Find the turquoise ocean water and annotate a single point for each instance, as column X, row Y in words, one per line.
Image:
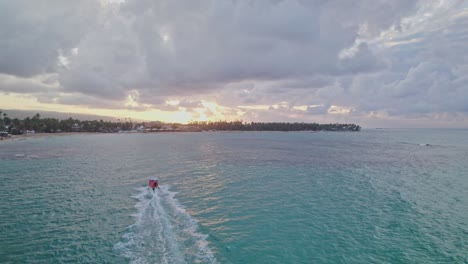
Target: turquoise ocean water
column 377, row 196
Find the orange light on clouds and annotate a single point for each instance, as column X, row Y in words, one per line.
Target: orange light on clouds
column 182, row 115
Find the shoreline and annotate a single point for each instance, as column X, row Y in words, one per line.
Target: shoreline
column 42, row 135
column 59, row 134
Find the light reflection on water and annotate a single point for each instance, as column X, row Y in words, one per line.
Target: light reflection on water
column 372, row 196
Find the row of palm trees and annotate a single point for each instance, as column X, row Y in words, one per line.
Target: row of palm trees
column 17, row 126
column 272, row 126
column 52, row 125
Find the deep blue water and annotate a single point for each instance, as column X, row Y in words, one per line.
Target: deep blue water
column 377, row 196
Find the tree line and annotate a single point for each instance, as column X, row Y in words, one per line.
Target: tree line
column 18, row 126
column 272, row 126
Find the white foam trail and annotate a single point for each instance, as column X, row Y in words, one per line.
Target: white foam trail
column 163, row 232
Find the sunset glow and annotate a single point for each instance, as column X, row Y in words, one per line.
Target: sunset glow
column 126, row 58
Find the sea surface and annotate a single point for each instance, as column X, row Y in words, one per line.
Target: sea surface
column 375, row 196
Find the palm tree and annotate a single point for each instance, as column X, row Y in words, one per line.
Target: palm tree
column 1, row 122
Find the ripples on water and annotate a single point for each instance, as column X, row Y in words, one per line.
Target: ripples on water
column 394, row 196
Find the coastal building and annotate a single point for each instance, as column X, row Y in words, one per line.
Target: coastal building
column 76, row 127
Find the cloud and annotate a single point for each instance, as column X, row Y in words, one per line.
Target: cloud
column 424, row 77
column 398, row 58
column 33, row 33
column 38, row 84
column 176, row 48
column 75, row 99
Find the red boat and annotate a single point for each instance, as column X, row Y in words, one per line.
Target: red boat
column 153, row 183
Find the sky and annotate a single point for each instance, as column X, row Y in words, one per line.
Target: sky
column 376, row 63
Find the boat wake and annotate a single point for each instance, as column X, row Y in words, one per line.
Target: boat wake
column 163, row 232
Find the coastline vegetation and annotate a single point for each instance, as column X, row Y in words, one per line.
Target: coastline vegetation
column 36, row 124
column 273, row 126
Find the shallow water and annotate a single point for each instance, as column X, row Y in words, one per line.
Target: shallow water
column 377, row 196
